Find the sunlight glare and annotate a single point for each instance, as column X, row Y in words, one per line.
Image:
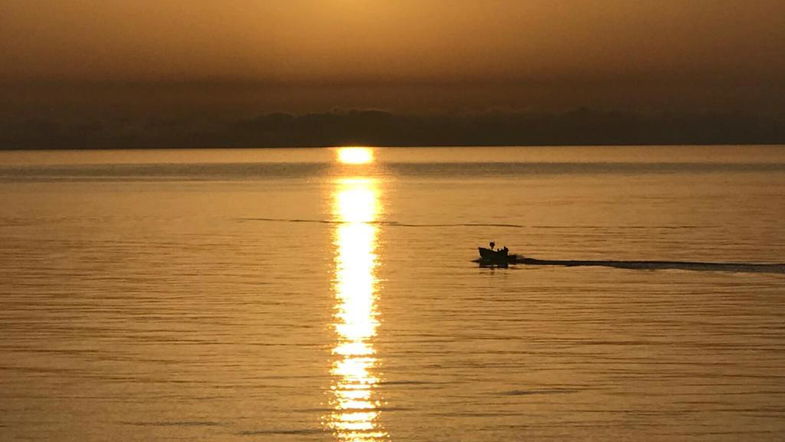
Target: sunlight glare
column 355, row 155
column 355, row 415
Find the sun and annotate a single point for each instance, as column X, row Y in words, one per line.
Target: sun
column 355, row 155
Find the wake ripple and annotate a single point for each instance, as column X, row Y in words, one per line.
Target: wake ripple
column 741, row 267
column 383, row 223
column 507, row 225
column 633, row 265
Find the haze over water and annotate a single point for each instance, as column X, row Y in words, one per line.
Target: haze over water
column 329, row 294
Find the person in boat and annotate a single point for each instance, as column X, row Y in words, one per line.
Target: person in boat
column 502, row 250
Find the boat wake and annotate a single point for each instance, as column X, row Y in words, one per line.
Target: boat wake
column 657, row 265
column 383, row 223
column 518, row 260
column 503, row 225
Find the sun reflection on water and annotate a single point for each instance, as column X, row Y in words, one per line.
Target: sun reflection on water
column 355, row 155
column 355, row 415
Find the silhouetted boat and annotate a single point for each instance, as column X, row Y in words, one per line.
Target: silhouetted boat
column 500, row 258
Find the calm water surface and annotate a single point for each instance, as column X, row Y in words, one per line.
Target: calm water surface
column 322, row 294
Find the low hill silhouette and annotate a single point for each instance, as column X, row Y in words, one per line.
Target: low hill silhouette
column 379, row 128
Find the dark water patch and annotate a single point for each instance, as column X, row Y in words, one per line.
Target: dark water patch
column 383, row 223
column 537, row 391
column 323, row 410
column 626, row 227
column 733, row 267
column 175, row 424
column 566, row 424
column 166, row 171
column 663, row 265
column 397, row 224
column 496, row 169
column 477, row 414
column 717, row 433
column 297, row 432
column 502, row 225
column 407, row 383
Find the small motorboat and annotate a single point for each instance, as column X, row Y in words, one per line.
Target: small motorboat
column 498, row 258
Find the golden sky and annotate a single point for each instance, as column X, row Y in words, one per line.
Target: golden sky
column 326, row 53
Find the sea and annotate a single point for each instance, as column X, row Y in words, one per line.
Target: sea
column 331, row 294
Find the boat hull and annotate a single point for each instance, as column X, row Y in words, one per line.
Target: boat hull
column 489, row 257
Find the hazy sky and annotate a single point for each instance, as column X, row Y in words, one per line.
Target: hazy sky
column 429, row 54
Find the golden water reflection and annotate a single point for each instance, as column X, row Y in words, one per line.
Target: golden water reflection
column 355, row 155
column 355, row 415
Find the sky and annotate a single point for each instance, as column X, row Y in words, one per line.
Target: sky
column 64, row 58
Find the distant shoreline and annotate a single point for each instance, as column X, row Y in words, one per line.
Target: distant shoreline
column 579, row 127
column 445, row 146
